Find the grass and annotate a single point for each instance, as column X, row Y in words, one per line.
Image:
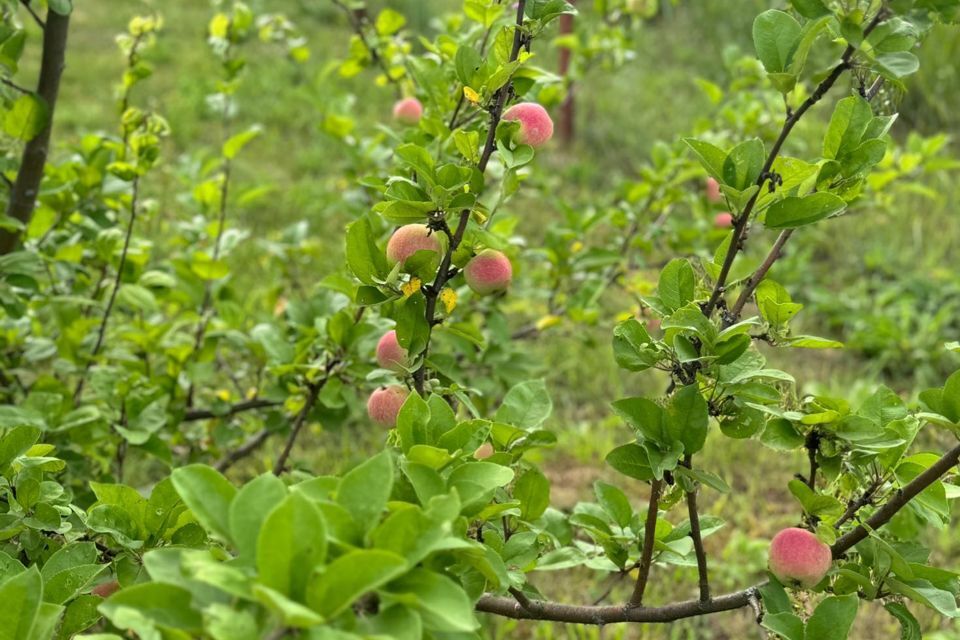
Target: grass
column 651, row 98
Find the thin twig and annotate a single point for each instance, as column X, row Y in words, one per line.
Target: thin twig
column 193, row 415
column 36, row 17
column 757, row 276
column 244, row 450
column 696, row 536
column 357, row 23
column 13, row 85
column 113, row 294
column 313, row 392
column 858, row 503
column 649, row 537
column 813, row 445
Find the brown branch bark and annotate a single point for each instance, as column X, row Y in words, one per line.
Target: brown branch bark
column 244, row 450
column 23, row 197
column 601, row 615
column 193, row 415
column 703, row 579
column 757, row 276
column 649, row 537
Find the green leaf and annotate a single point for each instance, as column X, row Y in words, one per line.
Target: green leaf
column 677, row 284
column 365, row 259
column 775, row 304
column 742, row 166
column 705, row 478
column 21, row 596
column 161, row 603
column 365, row 489
column 614, row 502
column 250, row 508
column 350, row 576
column 785, row 625
column 476, row 483
column 290, row 613
column 208, row 495
column 442, row 603
column 26, row 117
column 711, row 157
column 238, row 141
column 532, row 489
column 389, row 22
column 275, row 342
column 810, row 8
column 526, row 405
column 776, row 35
column 631, row 460
column 291, row 544
column 909, row 627
column 633, row 348
column 898, row 64
column 813, row 503
column 833, row 618
column 796, row 211
column 645, row 416
column 849, row 121
column 687, row 418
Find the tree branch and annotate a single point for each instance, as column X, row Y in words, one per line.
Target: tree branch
column 649, row 537
column 757, row 276
column 792, row 119
column 694, row 516
column 313, row 392
column 193, row 415
column 813, row 445
column 34, row 15
column 601, row 615
column 855, row 505
column 23, row 197
column 244, row 450
column 444, row 273
column 356, row 19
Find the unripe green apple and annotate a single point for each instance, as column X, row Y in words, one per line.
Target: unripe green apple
column 409, row 239
column 536, row 127
column 799, row 557
column 390, row 355
column 488, row 272
column 385, row 403
column 408, row 110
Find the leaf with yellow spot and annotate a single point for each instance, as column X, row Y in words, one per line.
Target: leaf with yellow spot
column 576, row 247
column 449, row 299
column 471, row 95
column 224, row 395
column 411, row 287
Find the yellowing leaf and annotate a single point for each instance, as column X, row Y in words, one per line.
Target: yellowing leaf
column 449, row 299
column 411, row 287
column 471, row 95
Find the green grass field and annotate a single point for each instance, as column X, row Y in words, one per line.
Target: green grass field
column 619, row 116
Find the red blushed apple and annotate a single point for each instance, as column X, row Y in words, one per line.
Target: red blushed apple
column 408, row 110
column 713, row 190
column 536, row 127
column 390, row 355
column 799, row 557
column 385, row 403
column 488, row 272
column 409, row 239
column 723, row 220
